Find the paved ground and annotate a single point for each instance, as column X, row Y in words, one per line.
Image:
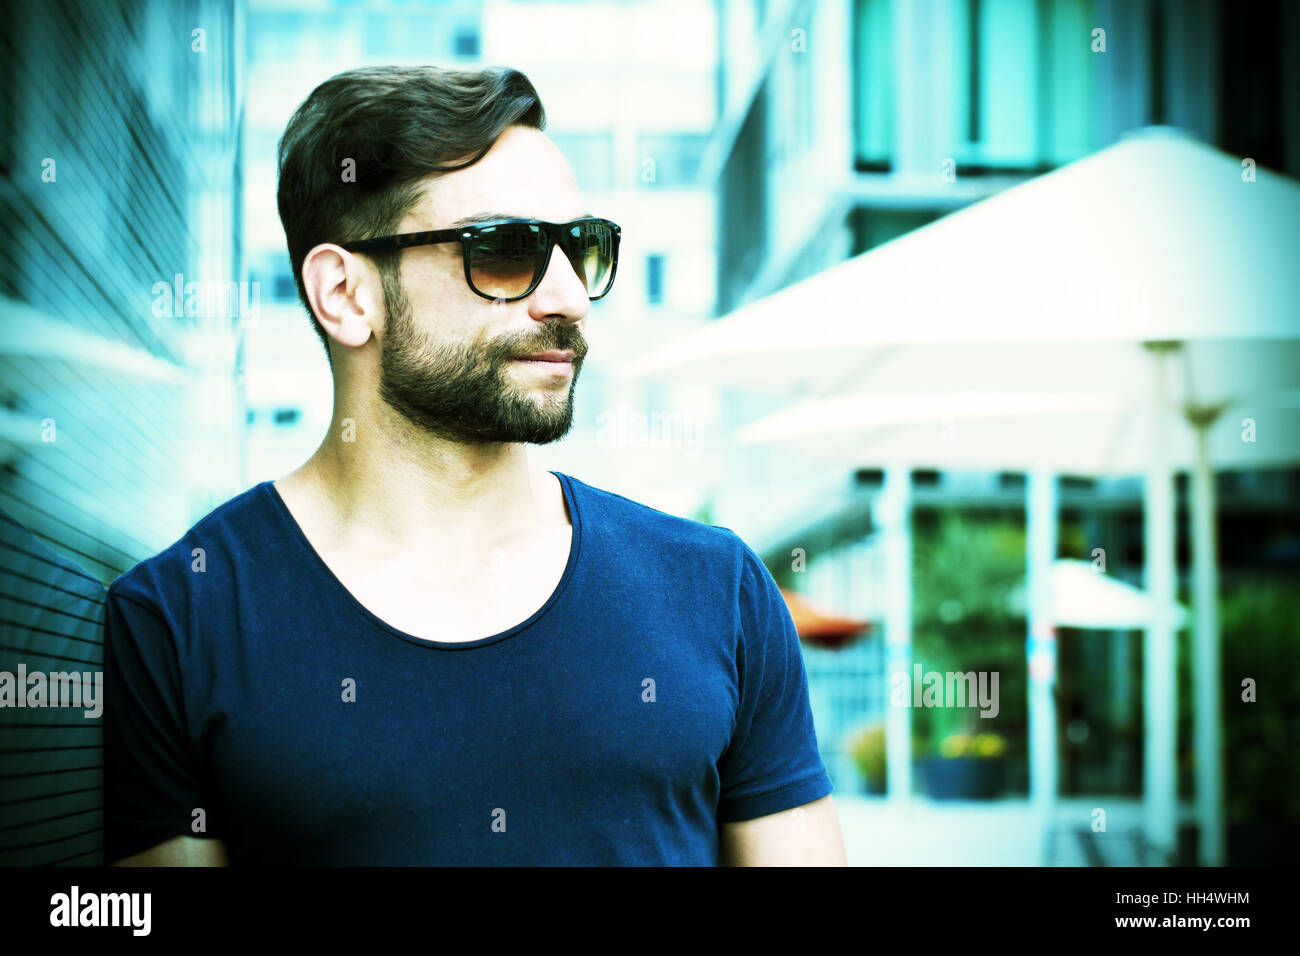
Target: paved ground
column 937, row 833
column 924, row 832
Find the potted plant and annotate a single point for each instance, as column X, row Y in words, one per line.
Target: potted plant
column 866, row 747
column 969, row 767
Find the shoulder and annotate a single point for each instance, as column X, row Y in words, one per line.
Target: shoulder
column 652, row 529
column 214, row 543
column 711, row 562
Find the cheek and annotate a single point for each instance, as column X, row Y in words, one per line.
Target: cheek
column 440, row 301
column 446, row 315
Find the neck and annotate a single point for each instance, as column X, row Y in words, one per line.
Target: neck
column 381, row 484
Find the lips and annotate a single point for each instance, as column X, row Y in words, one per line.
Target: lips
column 548, row 357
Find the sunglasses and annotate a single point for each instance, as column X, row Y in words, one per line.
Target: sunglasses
column 506, row 259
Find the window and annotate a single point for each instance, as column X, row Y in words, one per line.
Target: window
column 869, row 477
column 1011, row 480
column 1066, row 65
column 1252, row 107
column 274, row 274
column 1156, row 40
column 873, row 87
column 1011, row 80
column 1024, row 75
column 871, row 227
column 654, row 279
column 466, row 42
column 286, row 290
column 1000, row 118
column 742, row 245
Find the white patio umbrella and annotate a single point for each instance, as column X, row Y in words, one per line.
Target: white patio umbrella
column 1079, row 432
column 1156, row 239
column 1082, row 597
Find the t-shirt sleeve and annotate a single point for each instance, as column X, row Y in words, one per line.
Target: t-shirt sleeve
column 151, row 779
column 772, row 763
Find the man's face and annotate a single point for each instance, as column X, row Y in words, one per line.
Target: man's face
column 450, row 360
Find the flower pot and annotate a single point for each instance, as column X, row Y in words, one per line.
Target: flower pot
column 964, row 778
column 873, row 786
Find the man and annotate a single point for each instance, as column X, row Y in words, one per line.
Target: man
column 417, row 648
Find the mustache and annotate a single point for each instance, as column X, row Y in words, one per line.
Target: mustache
column 562, row 340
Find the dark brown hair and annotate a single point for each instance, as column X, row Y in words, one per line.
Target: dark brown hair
column 397, row 124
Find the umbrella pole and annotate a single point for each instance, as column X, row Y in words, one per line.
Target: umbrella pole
column 896, row 522
column 1040, row 648
column 1160, row 773
column 1208, row 716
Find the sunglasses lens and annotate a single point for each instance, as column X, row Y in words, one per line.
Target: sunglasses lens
column 504, row 259
column 593, row 248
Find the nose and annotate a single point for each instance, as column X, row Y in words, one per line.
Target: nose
column 561, row 292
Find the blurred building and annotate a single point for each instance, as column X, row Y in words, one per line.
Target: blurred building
column 119, row 305
column 848, row 123
column 117, row 343
column 630, row 91
column 845, row 124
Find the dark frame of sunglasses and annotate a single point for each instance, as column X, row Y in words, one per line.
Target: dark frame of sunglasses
column 556, row 233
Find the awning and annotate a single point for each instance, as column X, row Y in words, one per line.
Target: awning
column 820, row 626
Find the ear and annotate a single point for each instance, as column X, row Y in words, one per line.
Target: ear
column 343, row 290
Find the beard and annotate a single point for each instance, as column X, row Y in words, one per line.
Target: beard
column 464, row 393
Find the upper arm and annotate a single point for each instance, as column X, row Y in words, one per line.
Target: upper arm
column 180, row 851
column 801, row 836
column 155, row 784
column 772, row 763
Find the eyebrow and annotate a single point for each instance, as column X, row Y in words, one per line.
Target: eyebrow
column 494, row 216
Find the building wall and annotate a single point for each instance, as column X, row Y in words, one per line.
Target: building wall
column 140, row 143
column 119, row 405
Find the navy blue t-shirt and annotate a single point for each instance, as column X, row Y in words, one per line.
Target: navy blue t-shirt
column 658, row 692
